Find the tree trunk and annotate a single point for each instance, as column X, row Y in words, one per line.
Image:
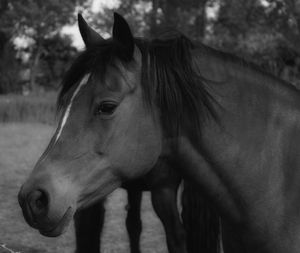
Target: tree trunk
column 170, row 13
column 153, row 22
column 34, row 68
column 3, row 6
column 200, row 23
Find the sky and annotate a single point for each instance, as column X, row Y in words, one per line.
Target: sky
column 98, row 5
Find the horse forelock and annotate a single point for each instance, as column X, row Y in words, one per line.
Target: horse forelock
column 94, row 61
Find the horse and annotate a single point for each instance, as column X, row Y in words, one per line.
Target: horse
column 163, row 182
column 89, row 221
column 232, row 129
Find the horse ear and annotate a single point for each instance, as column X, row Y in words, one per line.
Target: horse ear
column 123, row 35
column 89, row 35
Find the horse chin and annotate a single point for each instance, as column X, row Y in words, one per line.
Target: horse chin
column 60, row 227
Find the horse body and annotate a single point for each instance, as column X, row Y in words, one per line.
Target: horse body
column 233, row 130
column 247, row 161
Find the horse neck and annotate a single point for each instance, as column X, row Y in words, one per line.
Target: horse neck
column 242, row 149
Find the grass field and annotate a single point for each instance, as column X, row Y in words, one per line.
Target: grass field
column 31, row 108
column 20, row 146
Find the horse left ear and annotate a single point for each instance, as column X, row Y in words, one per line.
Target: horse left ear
column 122, row 34
column 89, row 35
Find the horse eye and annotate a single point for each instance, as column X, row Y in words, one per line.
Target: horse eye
column 106, row 108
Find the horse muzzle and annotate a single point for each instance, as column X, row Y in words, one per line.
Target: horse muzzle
column 43, row 212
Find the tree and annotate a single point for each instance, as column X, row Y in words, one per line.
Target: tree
column 187, row 16
column 37, row 20
column 56, row 57
column 266, row 32
column 287, row 16
column 150, row 17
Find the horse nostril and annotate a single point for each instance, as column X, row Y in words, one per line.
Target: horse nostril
column 38, row 202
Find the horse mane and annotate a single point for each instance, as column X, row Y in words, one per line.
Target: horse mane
column 169, row 79
column 172, row 81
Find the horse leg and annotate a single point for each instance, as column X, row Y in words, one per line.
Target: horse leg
column 88, row 227
column 133, row 219
column 164, row 201
column 201, row 222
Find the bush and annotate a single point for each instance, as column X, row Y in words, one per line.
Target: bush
column 32, row 108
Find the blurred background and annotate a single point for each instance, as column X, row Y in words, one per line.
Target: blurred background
column 38, row 41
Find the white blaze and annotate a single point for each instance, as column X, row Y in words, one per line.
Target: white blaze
column 179, row 199
column 67, row 111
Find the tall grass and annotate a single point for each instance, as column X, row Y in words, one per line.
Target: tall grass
column 31, row 108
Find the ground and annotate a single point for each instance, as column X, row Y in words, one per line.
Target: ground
column 20, row 147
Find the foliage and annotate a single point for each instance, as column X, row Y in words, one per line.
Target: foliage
column 9, row 70
column 263, row 31
column 37, row 20
column 55, row 59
